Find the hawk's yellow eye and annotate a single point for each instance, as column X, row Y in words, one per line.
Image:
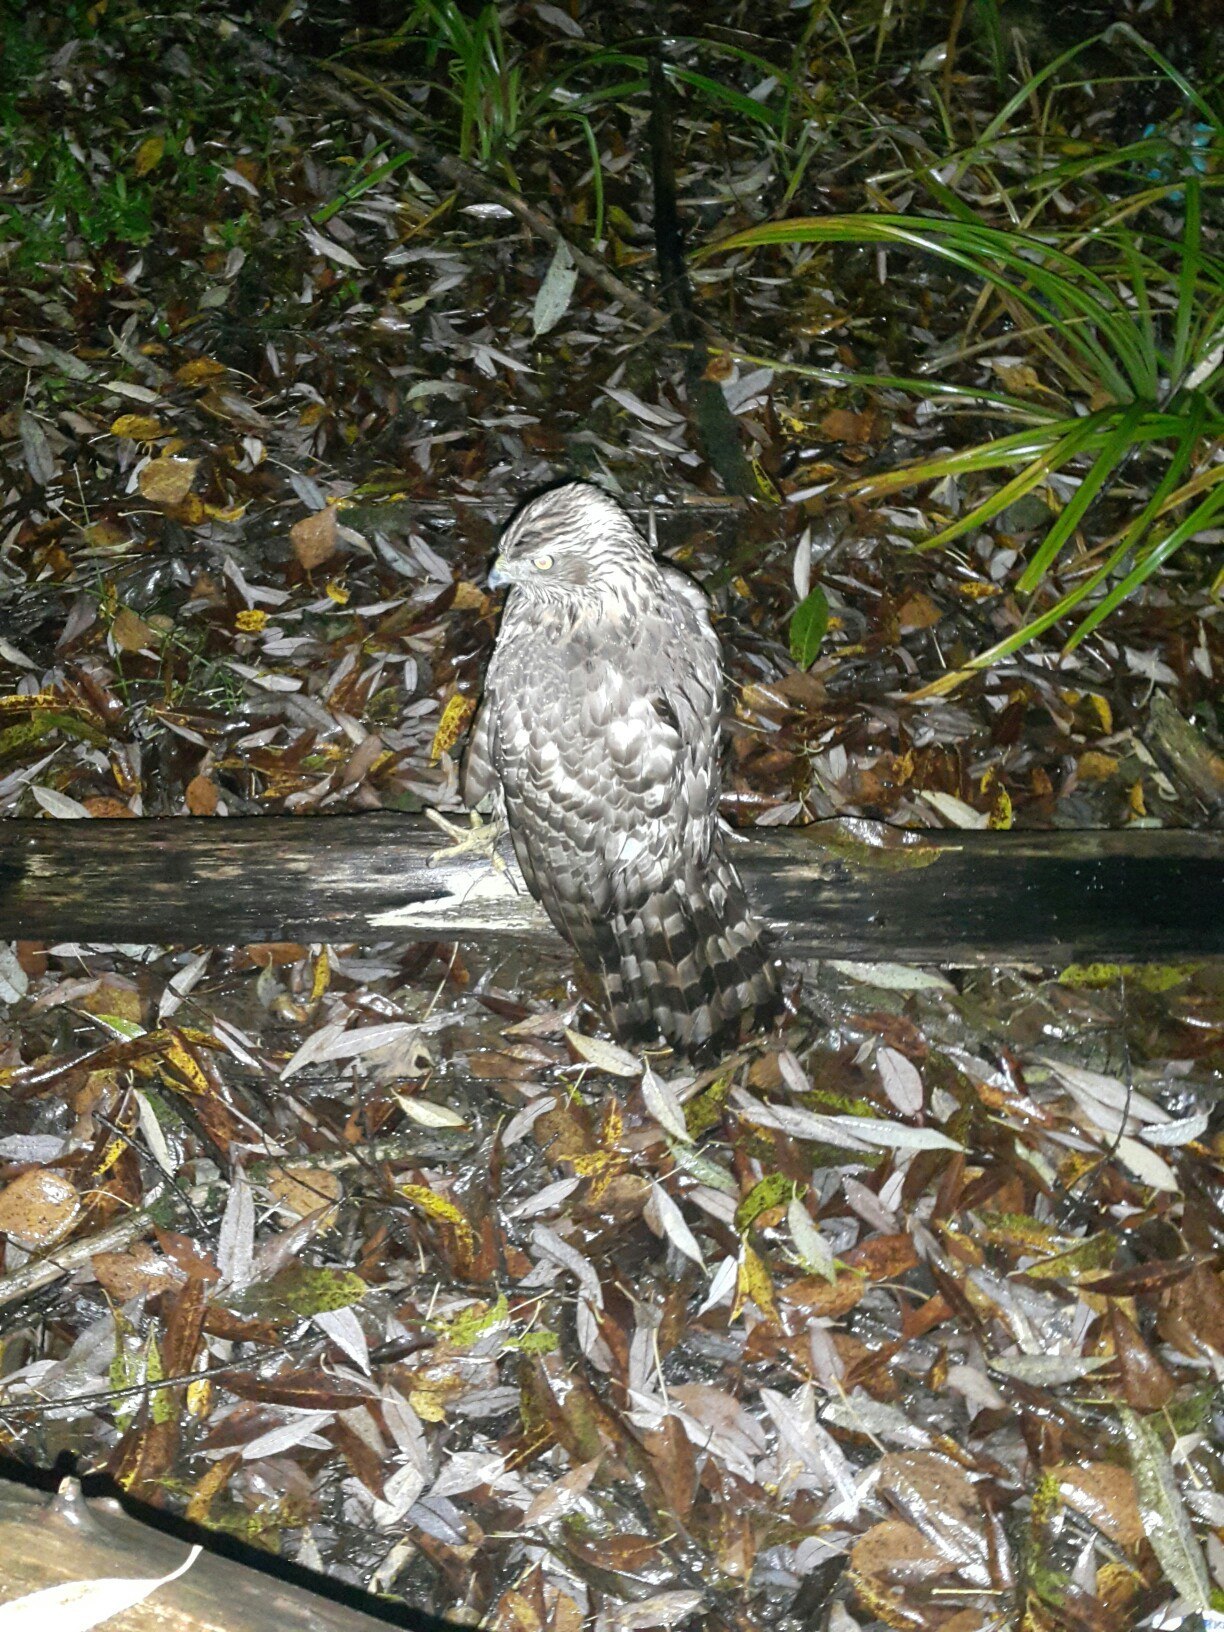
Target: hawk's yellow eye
column 543, row 562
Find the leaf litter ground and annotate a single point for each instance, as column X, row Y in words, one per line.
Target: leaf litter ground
column 383, row 1256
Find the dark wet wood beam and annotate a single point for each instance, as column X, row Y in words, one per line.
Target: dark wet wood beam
column 845, row 889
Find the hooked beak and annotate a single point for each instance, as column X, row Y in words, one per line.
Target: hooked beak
column 500, row 574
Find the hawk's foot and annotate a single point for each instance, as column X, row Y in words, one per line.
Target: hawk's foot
column 480, row 839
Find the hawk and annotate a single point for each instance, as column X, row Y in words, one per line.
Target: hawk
column 597, row 741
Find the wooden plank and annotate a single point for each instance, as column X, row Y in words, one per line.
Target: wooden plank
column 847, row 889
column 46, row 1542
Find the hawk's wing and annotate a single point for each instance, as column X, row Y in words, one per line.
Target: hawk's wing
column 478, row 780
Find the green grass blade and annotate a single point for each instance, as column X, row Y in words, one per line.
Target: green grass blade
column 1210, row 113
column 1196, row 522
column 1066, row 448
column 756, row 113
column 1187, row 279
column 1114, row 449
column 1054, row 293
column 920, row 386
column 597, row 185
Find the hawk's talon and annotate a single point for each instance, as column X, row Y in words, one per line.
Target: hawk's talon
column 481, row 839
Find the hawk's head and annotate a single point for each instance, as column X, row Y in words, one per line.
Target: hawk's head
column 574, row 537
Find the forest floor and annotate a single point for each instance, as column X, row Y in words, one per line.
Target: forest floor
column 383, row 1256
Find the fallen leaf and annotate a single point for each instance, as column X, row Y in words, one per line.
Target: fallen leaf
column 844, row 425
column 304, row 1190
column 131, row 633
column 167, row 481
column 604, row 1056
column 202, row 796
column 1106, row 1496
column 315, row 539
column 1094, row 766
column 39, row 1207
column 138, row 427
column 1146, row 1384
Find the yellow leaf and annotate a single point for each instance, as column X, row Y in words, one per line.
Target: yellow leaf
column 1100, row 707
column 149, row 154
column 1001, row 810
column 192, row 512
column 765, row 486
column 225, row 512
column 1094, row 766
column 212, row 1482
column 442, row 1211
column 199, row 1399
column 138, row 427
column 17, row 703
column 591, row 1162
column 167, row 481
column 335, row 591
column 752, row 1282
column 182, row 1061
column 198, row 370
column 250, row 620
column 110, row 1156
column 322, row 976
column 427, row 1405
column 455, row 716
column 613, row 1124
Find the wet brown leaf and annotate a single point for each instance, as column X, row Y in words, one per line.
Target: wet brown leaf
column 131, row 633
column 1146, row 1385
column 939, row 1499
column 39, row 1207
column 202, row 796
column 1193, row 1312
column 315, row 539
column 882, row 1257
column 818, row 1296
column 893, row 1555
column 1106, row 1496
column 125, row 1275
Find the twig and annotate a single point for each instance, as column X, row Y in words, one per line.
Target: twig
column 41, row 1272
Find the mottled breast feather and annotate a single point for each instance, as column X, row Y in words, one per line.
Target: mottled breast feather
column 599, row 729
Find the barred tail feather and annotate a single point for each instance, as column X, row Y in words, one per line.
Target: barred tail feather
column 692, row 963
